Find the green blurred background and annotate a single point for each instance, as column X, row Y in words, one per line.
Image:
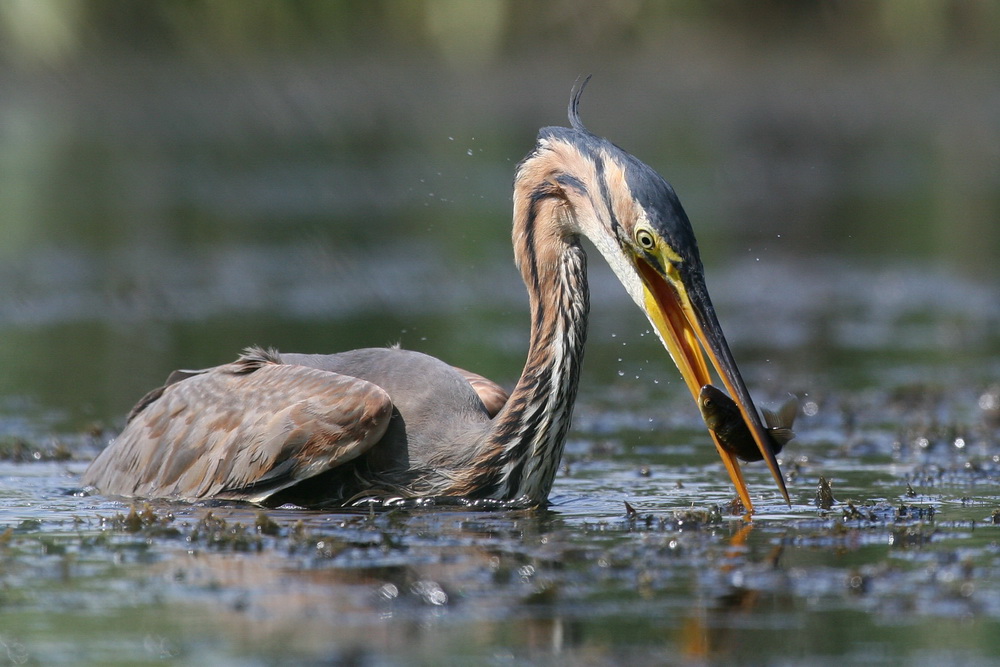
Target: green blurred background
column 180, row 179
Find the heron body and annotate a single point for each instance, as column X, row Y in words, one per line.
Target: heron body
column 330, row 429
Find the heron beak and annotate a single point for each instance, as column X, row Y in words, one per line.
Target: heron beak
column 680, row 309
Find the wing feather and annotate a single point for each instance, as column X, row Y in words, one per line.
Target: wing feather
column 241, row 432
column 493, row 396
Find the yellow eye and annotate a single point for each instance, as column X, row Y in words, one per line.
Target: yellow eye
column 645, row 239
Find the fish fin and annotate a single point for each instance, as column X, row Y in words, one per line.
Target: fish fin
column 772, row 419
column 779, row 423
column 783, row 417
column 781, row 437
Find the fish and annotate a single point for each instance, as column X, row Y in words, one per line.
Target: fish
column 723, row 418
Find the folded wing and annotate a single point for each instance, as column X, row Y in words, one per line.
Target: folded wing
column 241, row 431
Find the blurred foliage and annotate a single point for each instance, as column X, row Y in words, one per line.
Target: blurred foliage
column 467, row 32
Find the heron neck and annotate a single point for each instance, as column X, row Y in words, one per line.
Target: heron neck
column 524, row 444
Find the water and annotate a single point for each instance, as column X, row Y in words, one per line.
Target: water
column 903, row 568
column 849, row 253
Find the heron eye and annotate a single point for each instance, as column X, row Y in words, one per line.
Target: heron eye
column 645, row 239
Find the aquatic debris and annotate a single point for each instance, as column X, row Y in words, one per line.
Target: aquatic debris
column 630, row 511
column 678, row 520
column 266, row 525
column 824, row 495
column 324, row 546
column 915, row 512
column 852, row 513
column 735, row 507
column 694, row 519
column 963, row 473
column 911, row 536
column 634, row 518
column 217, row 533
column 144, row 520
column 28, row 526
column 881, row 512
column 723, row 418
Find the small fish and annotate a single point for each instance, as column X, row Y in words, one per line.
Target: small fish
column 723, row 418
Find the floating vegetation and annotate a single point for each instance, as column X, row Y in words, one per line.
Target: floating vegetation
column 824, row 495
column 143, row 520
column 217, row 533
column 265, row 525
column 882, row 513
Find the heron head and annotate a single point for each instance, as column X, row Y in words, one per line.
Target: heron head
column 635, row 220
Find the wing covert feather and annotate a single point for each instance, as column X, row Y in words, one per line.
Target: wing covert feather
column 229, row 433
column 490, row 393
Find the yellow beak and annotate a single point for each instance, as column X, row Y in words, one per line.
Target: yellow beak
column 682, row 312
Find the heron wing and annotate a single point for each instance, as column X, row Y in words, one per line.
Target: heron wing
column 490, row 393
column 241, row 431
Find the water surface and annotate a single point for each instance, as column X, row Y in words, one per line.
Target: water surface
column 848, row 231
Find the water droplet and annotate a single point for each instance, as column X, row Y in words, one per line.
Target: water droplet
column 388, row 591
column 430, row 592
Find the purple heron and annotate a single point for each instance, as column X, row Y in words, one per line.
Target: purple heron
column 272, row 427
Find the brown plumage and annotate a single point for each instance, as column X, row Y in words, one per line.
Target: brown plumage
column 330, row 429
